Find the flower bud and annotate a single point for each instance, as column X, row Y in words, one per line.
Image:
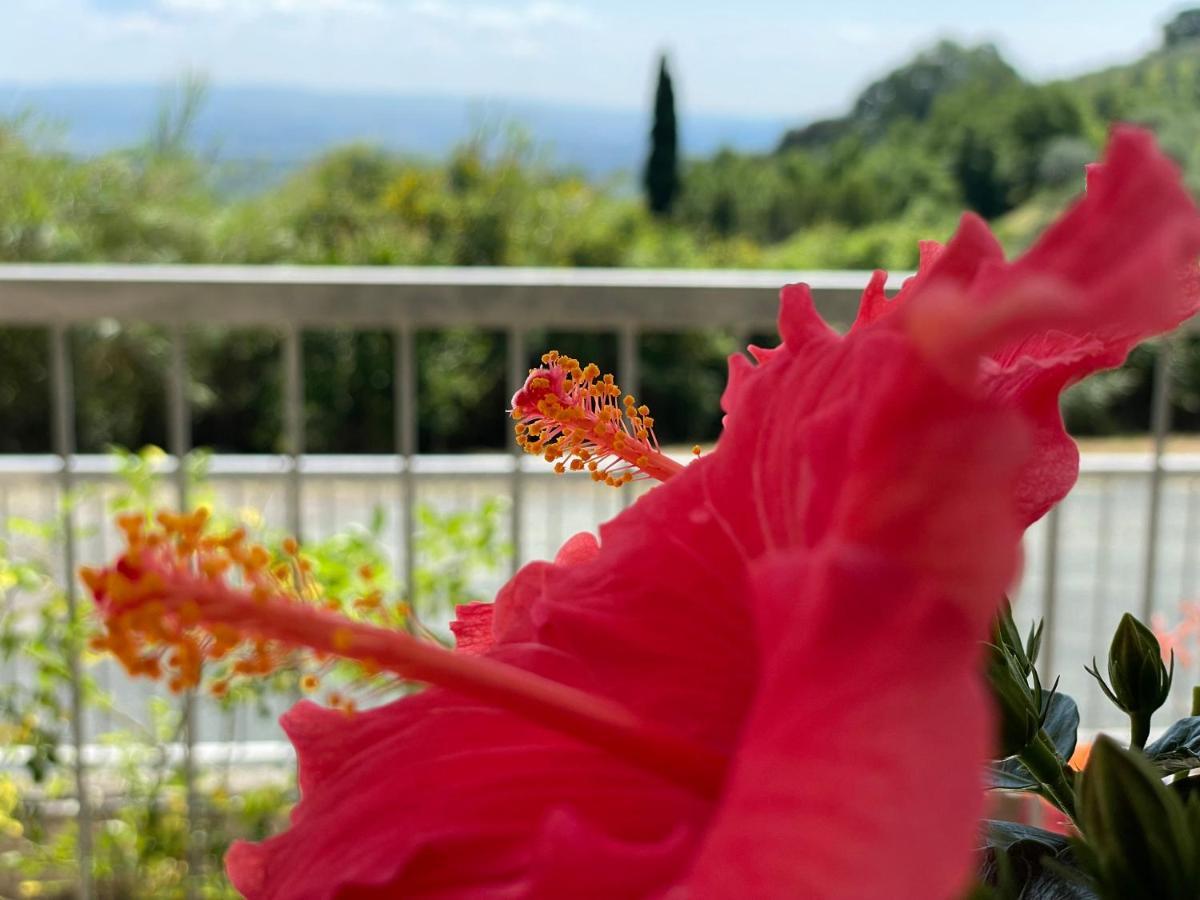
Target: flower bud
column 1135, row 668
column 1018, row 706
column 1139, row 682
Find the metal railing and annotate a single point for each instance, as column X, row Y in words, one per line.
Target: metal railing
column 290, row 300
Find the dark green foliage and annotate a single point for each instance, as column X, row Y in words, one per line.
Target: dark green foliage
column 348, row 376
column 910, row 92
column 1021, row 862
column 1019, row 704
column 683, row 377
column 1182, row 29
column 1178, row 750
column 1060, row 721
column 662, row 167
column 1140, row 840
column 1135, row 836
column 976, row 169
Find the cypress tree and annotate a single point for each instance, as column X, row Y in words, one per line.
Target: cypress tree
column 662, row 168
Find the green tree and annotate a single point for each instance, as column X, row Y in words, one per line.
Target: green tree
column 662, row 168
column 1183, row 28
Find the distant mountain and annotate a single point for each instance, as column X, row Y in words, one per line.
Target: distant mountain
column 1162, row 90
column 909, row 92
column 277, row 129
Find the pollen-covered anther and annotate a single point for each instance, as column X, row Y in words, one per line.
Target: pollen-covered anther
column 187, row 605
column 576, row 418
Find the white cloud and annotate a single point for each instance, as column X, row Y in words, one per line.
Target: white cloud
column 143, row 24
column 550, row 13
column 271, row 7
column 516, row 32
column 509, row 19
column 859, row 33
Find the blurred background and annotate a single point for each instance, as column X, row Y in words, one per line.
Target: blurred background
column 539, row 145
column 389, row 132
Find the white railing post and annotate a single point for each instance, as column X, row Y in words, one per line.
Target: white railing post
column 1103, row 571
column 1050, row 591
column 180, row 437
column 1160, row 425
column 628, row 374
column 518, row 370
column 63, row 402
column 293, row 413
column 404, row 380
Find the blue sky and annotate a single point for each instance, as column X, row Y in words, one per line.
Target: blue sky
column 758, row 58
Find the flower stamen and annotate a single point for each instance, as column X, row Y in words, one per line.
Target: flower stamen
column 576, row 418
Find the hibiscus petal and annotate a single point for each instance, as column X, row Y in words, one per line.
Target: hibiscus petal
column 472, row 627
column 1124, row 243
column 799, row 325
column 448, row 799
column 1128, row 249
column 799, row 322
column 1117, row 268
column 839, row 792
column 834, row 791
column 947, row 271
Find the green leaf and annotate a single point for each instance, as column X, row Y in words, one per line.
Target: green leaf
column 1002, row 834
column 1178, row 750
column 1138, row 837
column 1061, row 724
column 1010, row 775
column 1031, row 863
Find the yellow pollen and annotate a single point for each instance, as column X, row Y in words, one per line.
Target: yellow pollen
column 177, row 604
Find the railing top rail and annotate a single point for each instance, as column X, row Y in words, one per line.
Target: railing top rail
column 388, row 465
column 431, row 275
column 417, row 296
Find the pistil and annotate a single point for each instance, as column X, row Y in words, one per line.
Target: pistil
column 576, row 418
column 169, row 606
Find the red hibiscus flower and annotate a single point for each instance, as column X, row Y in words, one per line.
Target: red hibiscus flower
column 762, row 679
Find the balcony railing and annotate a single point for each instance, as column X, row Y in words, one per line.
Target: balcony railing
column 1125, row 539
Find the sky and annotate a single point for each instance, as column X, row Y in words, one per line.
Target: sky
column 753, row 57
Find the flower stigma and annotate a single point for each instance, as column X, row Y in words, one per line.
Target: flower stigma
column 576, row 418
